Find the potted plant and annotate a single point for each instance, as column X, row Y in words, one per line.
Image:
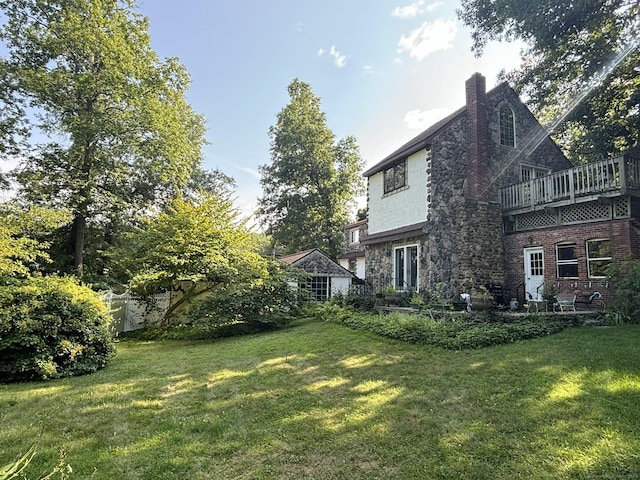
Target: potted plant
column 436, row 300
column 391, row 295
column 416, row 300
column 481, row 299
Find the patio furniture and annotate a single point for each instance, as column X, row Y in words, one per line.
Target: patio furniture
column 565, row 302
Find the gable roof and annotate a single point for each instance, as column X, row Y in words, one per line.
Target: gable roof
column 294, row 257
column 424, row 139
column 315, row 262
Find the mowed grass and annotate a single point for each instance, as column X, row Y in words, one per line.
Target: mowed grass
column 320, row 401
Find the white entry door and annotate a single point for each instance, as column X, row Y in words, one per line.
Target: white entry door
column 533, row 272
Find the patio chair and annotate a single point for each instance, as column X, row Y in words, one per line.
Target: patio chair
column 565, row 302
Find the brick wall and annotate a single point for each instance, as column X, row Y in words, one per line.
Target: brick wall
column 624, row 243
column 477, row 137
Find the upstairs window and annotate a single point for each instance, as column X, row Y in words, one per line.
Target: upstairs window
column 395, row 177
column 567, row 260
column 354, row 235
column 598, row 257
column 528, row 172
column 507, row 127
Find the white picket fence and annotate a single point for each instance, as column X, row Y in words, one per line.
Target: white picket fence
column 132, row 314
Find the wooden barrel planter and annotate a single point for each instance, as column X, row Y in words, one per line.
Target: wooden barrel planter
column 481, row 303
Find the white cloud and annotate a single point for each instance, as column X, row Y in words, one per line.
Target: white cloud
column 368, row 69
column 251, row 171
column 433, row 6
column 430, row 37
column 415, row 9
column 339, row 59
column 423, row 119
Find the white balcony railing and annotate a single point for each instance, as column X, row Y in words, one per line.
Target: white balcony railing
column 607, row 176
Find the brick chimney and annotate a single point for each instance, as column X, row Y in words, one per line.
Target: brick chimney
column 477, row 137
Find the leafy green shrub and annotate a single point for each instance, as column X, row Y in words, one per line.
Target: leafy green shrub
column 51, row 328
column 625, row 276
column 359, row 301
column 464, row 331
column 270, row 301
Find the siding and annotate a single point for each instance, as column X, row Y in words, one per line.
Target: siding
column 406, row 206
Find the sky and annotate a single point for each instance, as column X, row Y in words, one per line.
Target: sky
column 384, row 70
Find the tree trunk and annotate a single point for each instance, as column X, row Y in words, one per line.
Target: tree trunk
column 187, row 296
column 79, row 229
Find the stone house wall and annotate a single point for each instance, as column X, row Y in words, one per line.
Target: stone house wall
column 379, row 264
column 349, row 246
column 504, row 161
column 463, row 245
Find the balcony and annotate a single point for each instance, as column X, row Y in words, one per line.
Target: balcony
column 607, row 178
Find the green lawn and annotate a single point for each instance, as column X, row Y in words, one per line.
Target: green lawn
column 321, row 401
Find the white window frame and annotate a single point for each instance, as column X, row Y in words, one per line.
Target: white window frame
column 596, row 259
column 400, row 283
column 531, row 172
column 319, row 287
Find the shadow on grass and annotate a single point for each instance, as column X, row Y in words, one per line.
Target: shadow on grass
column 321, row 401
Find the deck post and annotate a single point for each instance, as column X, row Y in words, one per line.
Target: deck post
column 622, row 167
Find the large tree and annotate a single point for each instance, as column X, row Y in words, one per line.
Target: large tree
column 195, row 245
column 310, row 187
column 580, row 66
column 116, row 133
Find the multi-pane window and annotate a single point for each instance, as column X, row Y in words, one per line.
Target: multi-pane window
column 567, row 260
column 406, row 268
column 395, row 177
column 318, row 287
column 354, row 235
column 507, row 127
column 528, row 172
column 598, row 257
column 536, row 264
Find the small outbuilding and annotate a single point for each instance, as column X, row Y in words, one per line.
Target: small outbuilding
column 326, row 277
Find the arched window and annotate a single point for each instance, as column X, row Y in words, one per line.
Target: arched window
column 507, row 127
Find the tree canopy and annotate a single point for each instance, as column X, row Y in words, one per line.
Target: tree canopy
column 310, row 187
column 115, row 133
column 200, row 242
column 21, row 233
column 580, row 66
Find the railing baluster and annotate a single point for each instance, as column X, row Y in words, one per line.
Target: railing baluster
column 607, row 175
